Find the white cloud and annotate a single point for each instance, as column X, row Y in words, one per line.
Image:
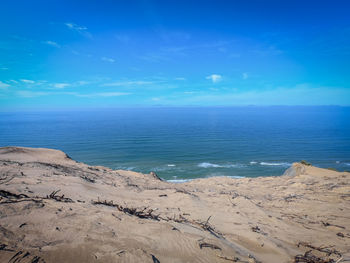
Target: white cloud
column 180, row 78
column 111, row 60
column 52, row 43
column 156, row 99
column 214, row 78
column 245, row 75
column 80, row 29
column 28, row 81
column 112, row 94
column 4, row 85
column 104, row 94
column 82, row 82
column 297, row 95
column 75, row 26
column 60, row 85
column 127, row 83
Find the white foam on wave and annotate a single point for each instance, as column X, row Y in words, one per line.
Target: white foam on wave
column 131, row 168
column 275, row 164
column 178, row 180
column 235, row 176
column 171, row 165
column 253, row 162
column 209, row 165
column 214, row 165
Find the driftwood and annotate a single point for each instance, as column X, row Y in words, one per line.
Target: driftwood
column 16, row 198
column 144, row 213
column 59, row 198
column 257, row 229
column 327, row 250
column 7, row 194
column 204, row 225
column 329, row 224
column 310, row 257
column 235, row 259
column 155, row 260
column 4, row 248
column 185, row 192
column 20, row 255
column 90, row 180
column 212, row 246
column 147, row 213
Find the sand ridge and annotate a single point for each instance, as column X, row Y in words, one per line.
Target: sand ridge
column 54, row 209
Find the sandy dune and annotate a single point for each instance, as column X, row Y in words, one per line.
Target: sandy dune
column 104, row 215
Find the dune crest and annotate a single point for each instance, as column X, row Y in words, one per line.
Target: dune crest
column 54, row 209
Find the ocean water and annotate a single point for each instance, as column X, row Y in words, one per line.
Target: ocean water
column 185, row 143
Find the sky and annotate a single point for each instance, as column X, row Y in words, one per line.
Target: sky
column 100, row 54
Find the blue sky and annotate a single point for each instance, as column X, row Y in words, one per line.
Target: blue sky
column 78, row 54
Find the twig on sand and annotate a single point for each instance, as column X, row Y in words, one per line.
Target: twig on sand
column 144, row 213
column 155, row 260
column 59, row 198
column 327, row 250
column 257, row 229
column 212, row 246
column 4, row 248
column 16, row 198
column 310, row 257
column 329, row 224
column 235, row 259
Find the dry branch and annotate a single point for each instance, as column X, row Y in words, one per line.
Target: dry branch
column 59, row 198
column 144, row 213
column 212, row 246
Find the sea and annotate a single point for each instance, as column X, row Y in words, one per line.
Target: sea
column 184, row 143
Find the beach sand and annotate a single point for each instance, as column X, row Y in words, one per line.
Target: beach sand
column 54, row 209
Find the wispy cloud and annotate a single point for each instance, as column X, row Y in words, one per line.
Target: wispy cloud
column 214, row 78
column 82, row 82
column 180, row 78
column 4, row 85
column 28, row 81
column 110, row 60
column 104, row 94
column 52, row 43
column 245, row 75
column 60, row 85
column 127, row 83
column 297, row 95
column 79, row 29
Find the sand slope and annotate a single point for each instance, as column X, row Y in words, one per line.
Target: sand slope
column 103, row 215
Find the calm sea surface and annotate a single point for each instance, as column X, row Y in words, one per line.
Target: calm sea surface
column 184, row 143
